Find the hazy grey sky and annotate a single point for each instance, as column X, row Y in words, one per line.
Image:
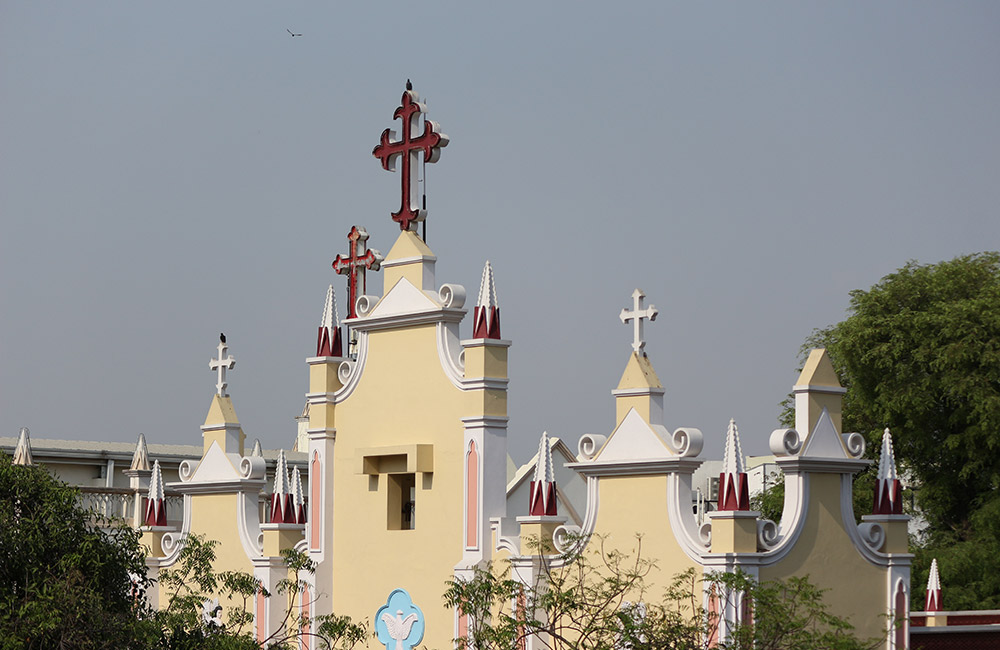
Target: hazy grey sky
column 172, row 170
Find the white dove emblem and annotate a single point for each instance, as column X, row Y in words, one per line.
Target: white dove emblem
column 399, row 627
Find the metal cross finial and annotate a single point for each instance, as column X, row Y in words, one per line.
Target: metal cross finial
column 354, row 265
column 407, row 149
column 637, row 315
column 221, row 364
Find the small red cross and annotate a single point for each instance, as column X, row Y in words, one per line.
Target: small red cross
column 429, row 142
column 355, row 264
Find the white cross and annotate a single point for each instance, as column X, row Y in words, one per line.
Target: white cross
column 221, row 365
column 637, row 315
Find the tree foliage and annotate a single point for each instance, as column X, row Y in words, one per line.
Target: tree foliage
column 73, row 579
column 70, row 579
column 920, row 353
column 598, row 598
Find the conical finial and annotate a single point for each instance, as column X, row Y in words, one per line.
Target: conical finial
column 281, row 500
column 734, row 492
column 933, row 602
column 140, row 457
column 328, row 342
column 486, row 316
column 257, row 451
column 22, row 452
column 887, row 461
column 888, row 489
column 732, row 462
column 156, row 512
column 298, row 502
column 543, row 488
column 543, row 468
column 281, row 474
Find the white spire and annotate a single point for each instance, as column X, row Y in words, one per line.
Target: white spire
column 887, row 461
column 140, row 457
column 156, row 483
column 257, row 451
column 934, row 580
column 281, row 474
column 22, row 452
column 331, row 317
column 732, row 461
column 487, row 288
column 297, row 499
column 543, row 467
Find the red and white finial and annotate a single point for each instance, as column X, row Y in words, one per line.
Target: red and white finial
column 543, row 487
column 22, row 452
column 637, row 315
column 408, row 149
column 734, row 493
column 156, row 511
column 298, row 503
column 486, row 316
column 933, row 603
column 888, row 490
column 281, row 499
column 328, row 342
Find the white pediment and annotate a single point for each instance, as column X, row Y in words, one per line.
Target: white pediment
column 825, row 440
column 217, row 466
column 634, row 439
column 403, row 298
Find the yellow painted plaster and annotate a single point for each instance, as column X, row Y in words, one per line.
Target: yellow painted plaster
column 220, row 413
column 402, row 398
column 637, row 505
column 733, row 533
column 408, row 245
column 323, row 377
column 826, row 554
column 485, row 360
column 639, row 375
column 818, row 370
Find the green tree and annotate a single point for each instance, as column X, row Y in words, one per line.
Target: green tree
column 920, row 353
column 70, row 579
column 598, row 599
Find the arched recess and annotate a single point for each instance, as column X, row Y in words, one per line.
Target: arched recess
column 472, row 497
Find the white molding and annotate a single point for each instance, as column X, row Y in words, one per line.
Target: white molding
column 402, row 261
column 453, row 366
column 248, row 523
column 638, row 392
column 816, row 388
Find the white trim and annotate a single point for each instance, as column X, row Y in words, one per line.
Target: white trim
column 401, row 261
column 816, row 388
column 638, row 392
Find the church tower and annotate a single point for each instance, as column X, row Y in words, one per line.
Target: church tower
column 407, row 427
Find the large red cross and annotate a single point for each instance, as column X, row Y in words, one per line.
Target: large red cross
column 429, row 142
column 354, row 265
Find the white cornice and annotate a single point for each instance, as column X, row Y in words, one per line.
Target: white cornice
column 638, row 392
column 392, row 321
column 817, row 388
column 798, row 464
column 218, row 487
column 401, row 261
column 637, row 467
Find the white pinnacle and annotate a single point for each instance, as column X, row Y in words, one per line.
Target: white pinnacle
column 156, row 483
column 487, row 288
column 934, row 580
column 331, row 317
column 637, row 315
column 732, row 461
column 887, row 461
column 297, row 499
column 22, row 452
column 140, row 457
column 257, row 451
column 543, row 467
column 281, row 474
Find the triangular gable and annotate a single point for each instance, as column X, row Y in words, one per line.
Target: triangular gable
column 403, row 298
column 216, row 466
column 634, row 439
column 825, row 440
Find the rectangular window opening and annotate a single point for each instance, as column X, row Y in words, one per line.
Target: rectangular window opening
column 402, row 489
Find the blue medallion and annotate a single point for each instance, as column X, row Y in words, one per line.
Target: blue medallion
column 399, row 623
